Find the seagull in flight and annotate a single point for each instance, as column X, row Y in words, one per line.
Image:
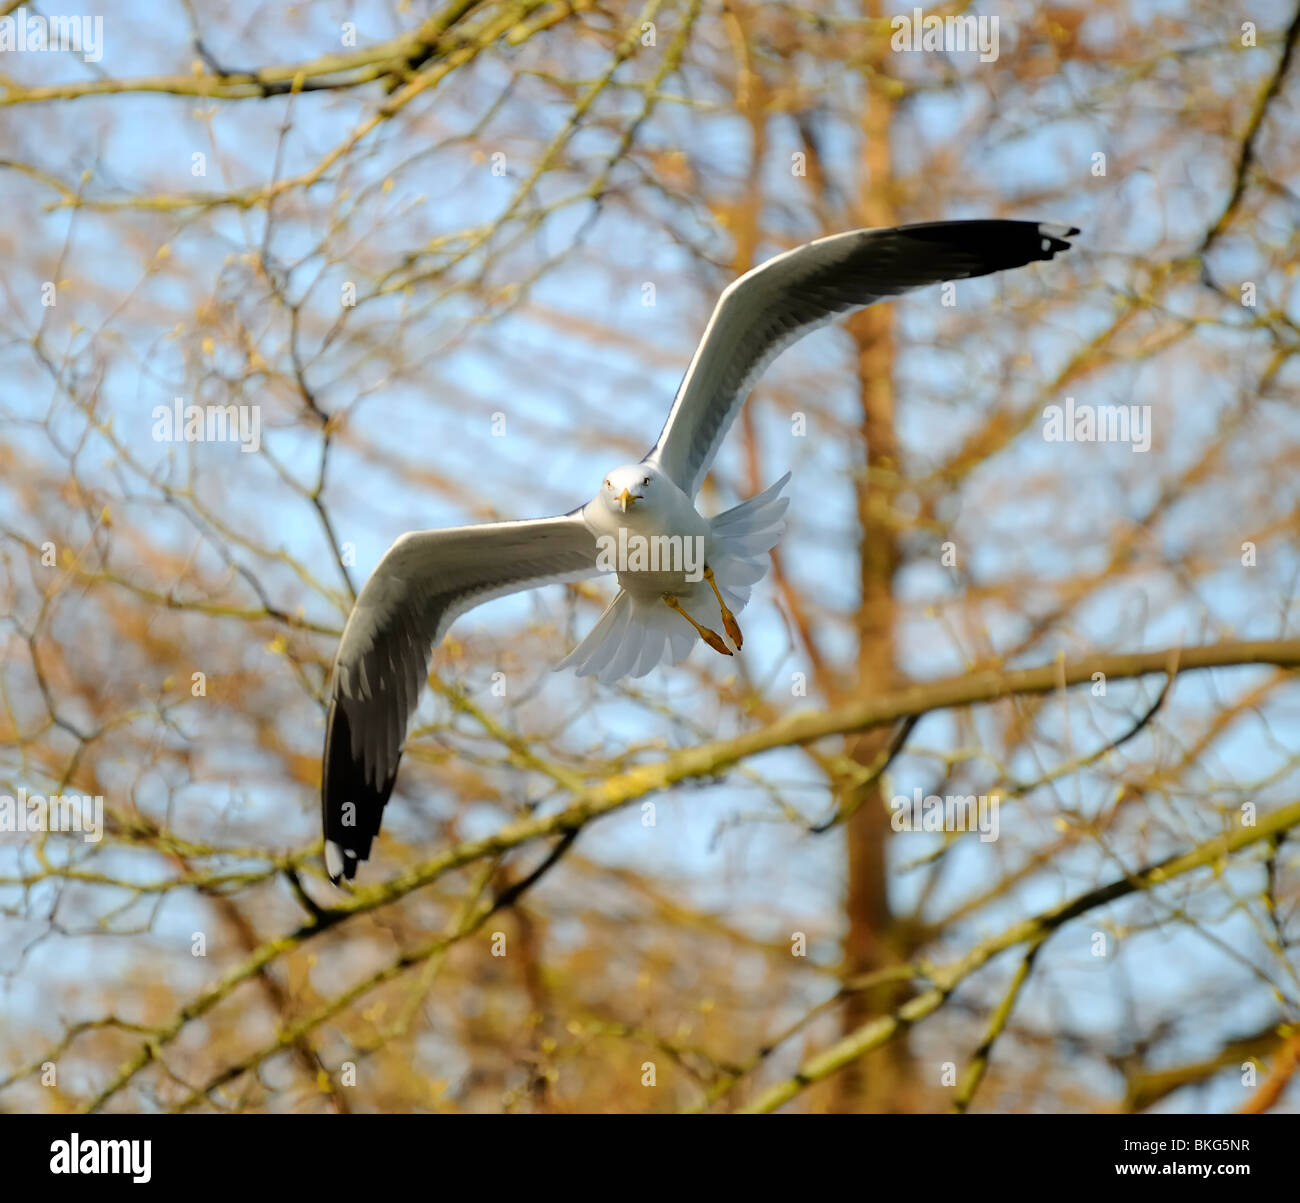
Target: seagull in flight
column 680, row 575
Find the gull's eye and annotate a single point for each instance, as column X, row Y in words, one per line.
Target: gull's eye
column 645, row 481
column 607, row 484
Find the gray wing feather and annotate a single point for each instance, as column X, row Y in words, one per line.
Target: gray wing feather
column 777, row 303
column 425, row 581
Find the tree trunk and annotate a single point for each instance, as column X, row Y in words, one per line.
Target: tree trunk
column 879, row 1082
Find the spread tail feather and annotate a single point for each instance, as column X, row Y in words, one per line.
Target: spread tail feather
column 742, row 537
column 634, row 636
column 630, row 639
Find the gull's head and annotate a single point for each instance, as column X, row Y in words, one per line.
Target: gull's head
column 629, row 486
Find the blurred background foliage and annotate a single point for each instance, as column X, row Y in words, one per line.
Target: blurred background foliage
column 457, row 256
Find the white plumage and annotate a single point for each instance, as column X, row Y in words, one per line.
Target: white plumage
column 637, row 632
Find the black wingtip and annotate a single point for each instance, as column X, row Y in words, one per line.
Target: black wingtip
column 348, row 869
column 964, row 249
column 352, row 808
column 349, row 872
column 1054, row 235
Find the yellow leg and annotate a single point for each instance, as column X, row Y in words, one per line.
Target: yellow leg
column 729, row 622
column 712, row 638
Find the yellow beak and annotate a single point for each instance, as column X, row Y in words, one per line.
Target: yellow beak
column 626, row 498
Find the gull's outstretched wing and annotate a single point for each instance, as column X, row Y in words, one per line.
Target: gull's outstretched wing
column 778, row 302
column 423, row 583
